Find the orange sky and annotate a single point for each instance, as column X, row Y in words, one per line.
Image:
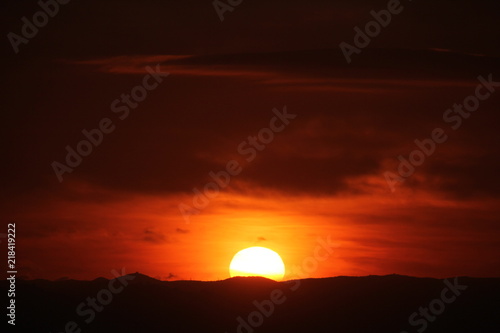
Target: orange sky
column 322, row 176
column 373, row 234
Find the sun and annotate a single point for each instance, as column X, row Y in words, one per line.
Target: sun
column 257, row 261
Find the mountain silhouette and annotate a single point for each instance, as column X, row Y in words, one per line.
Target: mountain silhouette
column 139, row 303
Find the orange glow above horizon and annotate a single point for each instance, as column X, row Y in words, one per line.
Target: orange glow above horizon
column 147, row 234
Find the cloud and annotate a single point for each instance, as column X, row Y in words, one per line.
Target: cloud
column 353, row 122
column 154, row 237
column 356, row 121
column 315, row 69
column 127, row 64
column 181, row 231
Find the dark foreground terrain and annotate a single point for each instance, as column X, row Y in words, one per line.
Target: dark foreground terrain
column 137, row 303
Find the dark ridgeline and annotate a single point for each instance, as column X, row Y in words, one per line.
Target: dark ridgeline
column 341, row 304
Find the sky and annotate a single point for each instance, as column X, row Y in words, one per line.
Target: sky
column 206, row 88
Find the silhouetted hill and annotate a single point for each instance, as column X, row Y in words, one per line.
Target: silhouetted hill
column 138, row 303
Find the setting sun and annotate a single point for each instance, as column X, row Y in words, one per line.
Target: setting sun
column 257, row 261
